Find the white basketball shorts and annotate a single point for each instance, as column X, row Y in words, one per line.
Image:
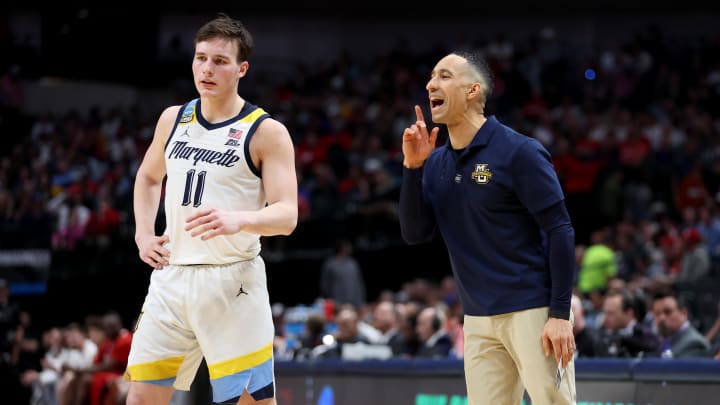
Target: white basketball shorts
column 219, row 312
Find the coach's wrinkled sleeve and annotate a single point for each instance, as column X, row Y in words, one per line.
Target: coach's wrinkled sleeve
column 556, row 223
column 417, row 221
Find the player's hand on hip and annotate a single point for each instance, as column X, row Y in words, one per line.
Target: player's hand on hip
column 152, row 251
column 211, row 222
column 558, row 339
column 417, row 142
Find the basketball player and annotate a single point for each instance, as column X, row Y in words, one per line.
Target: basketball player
column 230, row 180
column 495, row 198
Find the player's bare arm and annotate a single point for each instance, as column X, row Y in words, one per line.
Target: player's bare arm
column 272, row 151
column 417, row 142
column 146, row 197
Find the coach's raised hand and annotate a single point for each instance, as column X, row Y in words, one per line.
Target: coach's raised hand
column 417, row 142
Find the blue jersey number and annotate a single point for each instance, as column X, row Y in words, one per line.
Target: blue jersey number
column 189, row 180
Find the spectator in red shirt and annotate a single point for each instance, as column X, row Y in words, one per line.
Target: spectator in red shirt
column 115, row 360
column 108, row 366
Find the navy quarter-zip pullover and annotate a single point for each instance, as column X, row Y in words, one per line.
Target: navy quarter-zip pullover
column 499, row 207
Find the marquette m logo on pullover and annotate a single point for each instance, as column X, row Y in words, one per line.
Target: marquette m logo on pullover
column 482, row 174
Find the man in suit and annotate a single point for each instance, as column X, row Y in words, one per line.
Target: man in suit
column 622, row 335
column 435, row 341
column 679, row 337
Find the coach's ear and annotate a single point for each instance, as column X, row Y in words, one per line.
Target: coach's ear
column 474, row 91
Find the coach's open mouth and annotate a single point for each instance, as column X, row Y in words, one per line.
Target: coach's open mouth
column 436, row 102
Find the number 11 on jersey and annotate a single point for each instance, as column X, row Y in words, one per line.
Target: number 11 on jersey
column 189, row 180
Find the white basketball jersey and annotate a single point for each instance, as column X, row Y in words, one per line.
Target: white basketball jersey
column 209, row 166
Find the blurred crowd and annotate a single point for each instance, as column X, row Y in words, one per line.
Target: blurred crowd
column 424, row 320
column 81, row 363
column 634, row 130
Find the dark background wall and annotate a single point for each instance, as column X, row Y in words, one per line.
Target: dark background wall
column 121, row 42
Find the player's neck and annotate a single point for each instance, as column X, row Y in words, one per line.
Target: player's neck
column 216, row 110
column 462, row 132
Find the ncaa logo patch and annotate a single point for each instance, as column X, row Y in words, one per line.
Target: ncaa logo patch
column 188, row 115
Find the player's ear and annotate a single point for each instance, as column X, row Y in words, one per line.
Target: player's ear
column 243, row 68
